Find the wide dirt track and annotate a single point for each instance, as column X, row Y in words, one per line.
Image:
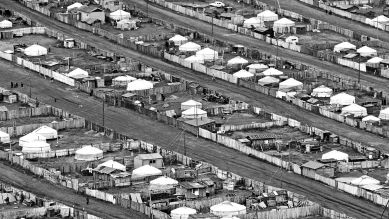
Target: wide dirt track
column 141, row 127
column 235, row 92
column 43, row 188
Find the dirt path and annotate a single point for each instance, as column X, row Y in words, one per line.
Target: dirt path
column 141, row 127
column 42, row 188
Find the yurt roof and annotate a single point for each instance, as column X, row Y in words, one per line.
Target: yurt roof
column 33, row 136
column 163, row 180
column 124, row 78
column 78, row 71
column 36, row 144
column 6, row 21
column 322, row 88
column 365, row 180
column 375, row 60
column 243, row 74
column 269, row 79
column 206, row 51
column 381, row 19
column 371, row 118
column 146, row 170
column 139, row 84
column 228, row 206
column 44, row 129
column 183, row 211
column 75, row 5
column 366, row 49
column 267, row 13
column 35, row 47
column 291, row 82
column 252, row 20
column 345, row 45
column 113, row 164
column 272, row 71
column 257, row 66
column 353, row 107
column 190, row 46
column 3, row 134
column 191, row 103
column 119, row 13
column 237, row 60
column 178, row 37
column 194, row 111
column 284, row 21
column 342, row 96
column 194, row 58
column 338, row 155
column 89, row 150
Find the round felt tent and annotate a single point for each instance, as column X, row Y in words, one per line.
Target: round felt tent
column 145, row 172
column 193, row 113
column 366, row 51
column 228, row 209
column 207, row 54
column 252, row 22
column 88, row 153
column 78, row 72
column 195, row 59
column 344, row 46
column 5, row 24
column 272, row 72
column 365, row 180
column 334, row 154
column 381, row 19
column 182, row 213
column 268, row 80
column 355, row 110
column 162, row 183
column 139, row 84
column 122, row 80
column 290, row 83
column 73, row 6
column 256, row 68
column 35, row 147
column 47, row 132
column 342, row 99
column 112, row 164
column 375, row 60
column 243, row 74
column 190, row 103
column 178, row 40
column 31, row 137
column 119, row 15
column 35, row 50
column 371, row 119
column 384, row 114
column 189, row 47
column 267, row 15
column 283, row 25
column 237, row 61
column 322, row 91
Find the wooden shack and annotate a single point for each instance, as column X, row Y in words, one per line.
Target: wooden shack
column 311, row 168
column 264, row 141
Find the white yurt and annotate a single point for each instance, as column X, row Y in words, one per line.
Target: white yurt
column 127, row 24
column 119, row 15
column 292, row 39
column 381, row 19
column 5, row 24
column 371, row 119
column 47, row 132
column 375, row 60
column 228, row 209
column 272, row 72
column 208, row 54
column 35, row 147
column 334, row 154
column 189, row 47
column 4, row 137
column 366, row 51
column 342, row 99
column 384, row 114
column 283, row 25
column 178, row 40
column 145, row 171
column 355, row 110
column 182, row 213
column 193, row 113
column 122, row 80
column 322, row 91
column 243, row 74
column 31, row 137
column 290, row 83
column 195, row 59
column 267, row 16
column 365, row 180
column 237, row 61
column 88, row 153
column 75, row 5
column 252, row 22
column 268, row 80
column 344, row 46
column 163, row 182
column 78, row 72
column 190, row 103
column 112, row 164
column 139, row 84
column 256, row 68
column 35, row 50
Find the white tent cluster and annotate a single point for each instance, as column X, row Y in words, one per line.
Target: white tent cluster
column 35, row 141
column 178, row 40
column 88, row 153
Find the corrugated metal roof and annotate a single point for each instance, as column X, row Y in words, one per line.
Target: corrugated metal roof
column 149, row 156
column 263, row 136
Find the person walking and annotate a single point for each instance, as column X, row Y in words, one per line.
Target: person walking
column 87, row 200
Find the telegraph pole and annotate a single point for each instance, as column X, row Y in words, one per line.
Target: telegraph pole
column 103, row 113
column 359, row 68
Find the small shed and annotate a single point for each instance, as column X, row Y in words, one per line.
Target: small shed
column 192, row 190
column 154, row 159
column 262, row 140
column 311, row 168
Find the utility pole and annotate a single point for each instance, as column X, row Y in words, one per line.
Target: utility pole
column 184, row 144
column 103, row 114
column 359, row 68
column 30, row 83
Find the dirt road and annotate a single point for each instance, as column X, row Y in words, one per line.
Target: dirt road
column 42, row 188
column 141, row 127
column 220, row 33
